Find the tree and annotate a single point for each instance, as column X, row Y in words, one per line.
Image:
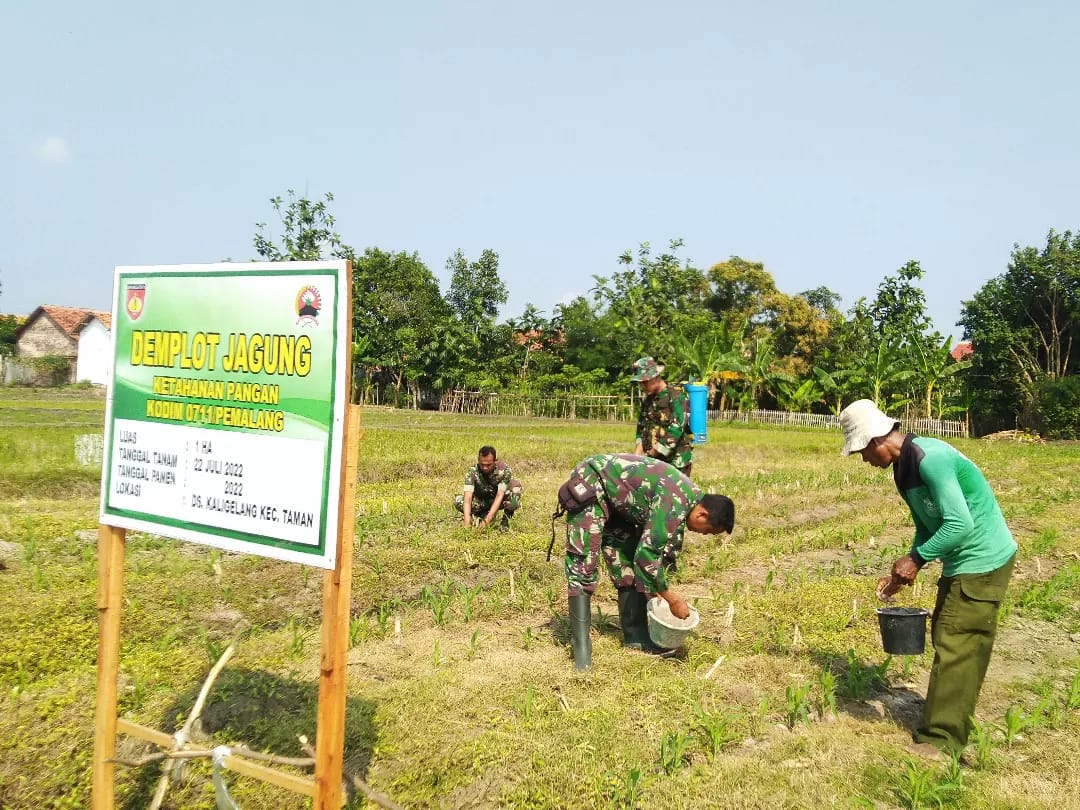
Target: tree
column 476, row 291
column 1024, row 325
column 741, row 290
column 899, row 310
column 399, row 312
column 931, row 366
column 307, row 232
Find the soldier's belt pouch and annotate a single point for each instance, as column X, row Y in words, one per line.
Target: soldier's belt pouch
column 576, row 494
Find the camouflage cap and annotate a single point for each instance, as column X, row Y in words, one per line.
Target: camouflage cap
column 646, row 368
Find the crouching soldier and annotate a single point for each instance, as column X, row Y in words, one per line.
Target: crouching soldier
column 489, row 486
column 636, row 522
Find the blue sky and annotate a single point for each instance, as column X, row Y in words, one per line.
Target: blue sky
column 832, row 141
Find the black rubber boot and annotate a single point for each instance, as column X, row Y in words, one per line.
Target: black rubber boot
column 580, row 624
column 633, row 616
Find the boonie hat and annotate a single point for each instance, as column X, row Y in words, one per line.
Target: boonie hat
column 862, row 421
column 646, row 368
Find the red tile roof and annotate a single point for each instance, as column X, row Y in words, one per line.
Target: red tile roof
column 962, row 350
column 70, row 319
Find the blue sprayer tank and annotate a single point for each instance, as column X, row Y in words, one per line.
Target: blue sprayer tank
column 699, row 408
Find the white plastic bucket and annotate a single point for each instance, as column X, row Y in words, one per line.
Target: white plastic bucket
column 665, row 629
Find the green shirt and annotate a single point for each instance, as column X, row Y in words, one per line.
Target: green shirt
column 957, row 518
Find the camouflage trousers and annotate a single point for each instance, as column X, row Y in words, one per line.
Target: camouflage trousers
column 588, row 536
column 511, row 502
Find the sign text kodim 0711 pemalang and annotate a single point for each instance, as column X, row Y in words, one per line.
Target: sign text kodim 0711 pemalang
column 226, row 405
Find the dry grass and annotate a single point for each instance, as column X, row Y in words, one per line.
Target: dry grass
column 476, row 704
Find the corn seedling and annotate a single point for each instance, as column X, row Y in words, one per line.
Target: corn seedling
column 627, row 794
column 468, row 596
column 858, row 681
column 357, row 626
column 920, row 788
column 437, row 600
column 982, row 736
column 297, row 640
column 528, row 703
column 716, row 730
column 673, row 750
column 826, row 694
column 436, row 655
column 1072, row 695
column 1017, row 721
column 798, row 705
column 474, row 645
column 528, row 638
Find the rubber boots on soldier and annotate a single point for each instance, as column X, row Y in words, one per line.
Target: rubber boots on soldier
column 580, row 624
column 633, row 616
column 504, row 523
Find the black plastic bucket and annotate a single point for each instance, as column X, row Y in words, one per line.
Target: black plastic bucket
column 903, row 630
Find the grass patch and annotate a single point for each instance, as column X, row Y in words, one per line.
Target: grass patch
column 461, row 689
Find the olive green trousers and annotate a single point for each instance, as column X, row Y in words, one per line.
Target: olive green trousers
column 963, row 628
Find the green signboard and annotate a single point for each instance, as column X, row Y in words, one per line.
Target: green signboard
column 226, row 405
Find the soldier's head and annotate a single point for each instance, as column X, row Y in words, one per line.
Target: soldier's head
column 714, row 514
column 647, row 371
column 485, row 459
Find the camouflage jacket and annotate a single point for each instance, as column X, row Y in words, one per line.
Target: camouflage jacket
column 663, row 426
column 654, row 498
column 485, row 487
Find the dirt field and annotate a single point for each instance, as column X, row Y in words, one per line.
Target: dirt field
column 474, row 703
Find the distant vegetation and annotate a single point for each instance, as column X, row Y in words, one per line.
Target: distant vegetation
column 727, row 326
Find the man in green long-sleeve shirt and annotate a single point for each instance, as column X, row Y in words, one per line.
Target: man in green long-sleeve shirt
column 958, row 521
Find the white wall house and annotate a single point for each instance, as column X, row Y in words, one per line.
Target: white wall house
column 93, row 360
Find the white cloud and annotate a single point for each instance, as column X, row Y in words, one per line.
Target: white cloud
column 52, row 150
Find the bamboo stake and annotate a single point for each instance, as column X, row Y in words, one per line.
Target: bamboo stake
column 337, row 584
column 110, row 596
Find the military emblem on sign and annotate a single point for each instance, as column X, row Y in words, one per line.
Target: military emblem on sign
column 308, row 304
column 136, row 300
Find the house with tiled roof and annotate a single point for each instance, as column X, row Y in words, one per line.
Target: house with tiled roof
column 77, row 333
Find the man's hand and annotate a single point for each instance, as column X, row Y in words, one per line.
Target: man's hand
column 678, row 606
column 905, row 569
column 468, row 520
column 886, row 587
column 639, row 450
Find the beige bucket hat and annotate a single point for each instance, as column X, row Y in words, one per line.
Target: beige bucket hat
column 862, row 421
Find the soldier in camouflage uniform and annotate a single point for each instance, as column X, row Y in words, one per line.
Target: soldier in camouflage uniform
column 489, row 487
column 663, row 427
column 636, row 524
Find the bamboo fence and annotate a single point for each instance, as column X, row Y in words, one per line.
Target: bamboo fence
column 924, row 427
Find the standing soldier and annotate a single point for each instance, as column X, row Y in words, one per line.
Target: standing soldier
column 489, row 487
column 663, row 426
column 634, row 513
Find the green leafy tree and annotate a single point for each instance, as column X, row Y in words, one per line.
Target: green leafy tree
column 899, row 310
column 1024, row 326
column 307, row 231
column 398, row 313
column 932, row 366
column 476, row 290
column 649, row 299
column 880, row 374
column 8, row 325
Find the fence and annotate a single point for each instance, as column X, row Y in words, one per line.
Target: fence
column 567, row 406
column 924, row 427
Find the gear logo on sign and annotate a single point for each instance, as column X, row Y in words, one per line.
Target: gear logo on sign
column 136, row 300
column 308, row 304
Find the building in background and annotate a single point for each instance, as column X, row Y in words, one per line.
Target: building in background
column 80, row 335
